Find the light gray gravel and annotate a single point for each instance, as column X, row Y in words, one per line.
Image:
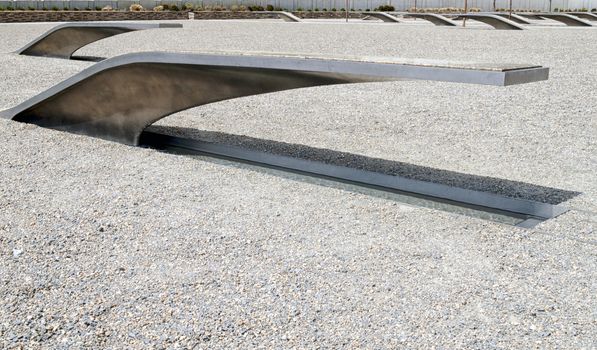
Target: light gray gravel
column 109, row 246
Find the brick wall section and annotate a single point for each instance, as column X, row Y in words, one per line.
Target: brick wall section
column 77, row 16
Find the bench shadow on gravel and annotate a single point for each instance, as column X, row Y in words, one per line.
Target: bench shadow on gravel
column 508, row 188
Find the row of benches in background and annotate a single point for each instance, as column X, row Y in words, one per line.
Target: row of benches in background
column 498, row 20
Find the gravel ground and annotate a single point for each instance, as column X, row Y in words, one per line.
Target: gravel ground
column 105, row 245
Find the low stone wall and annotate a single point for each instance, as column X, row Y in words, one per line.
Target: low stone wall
column 253, row 15
column 77, row 16
column 337, row 14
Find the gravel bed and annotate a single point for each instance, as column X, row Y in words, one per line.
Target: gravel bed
column 103, row 245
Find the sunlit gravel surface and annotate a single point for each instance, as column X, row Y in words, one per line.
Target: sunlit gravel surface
column 103, row 245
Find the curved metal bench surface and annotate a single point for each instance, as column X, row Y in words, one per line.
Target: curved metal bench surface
column 63, row 40
column 513, row 17
column 497, row 22
column 118, row 98
column 286, row 16
column 567, row 19
column 584, row 15
column 436, row 19
column 531, row 15
column 383, row 16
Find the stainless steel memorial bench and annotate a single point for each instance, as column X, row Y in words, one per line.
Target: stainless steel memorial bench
column 434, row 18
column 118, row 98
column 513, row 17
column 530, row 15
column 63, row 40
column 565, row 18
column 584, row 15
column 382, row 16
column 283, row 15
column 495, row 21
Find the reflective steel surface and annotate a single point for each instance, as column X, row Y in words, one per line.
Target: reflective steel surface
column 513, row 17
column 436, row 19
column 283, row 15
column 382, row 16
column 584, row 15
column 569, row 20
column 118, row 98
column 63, row 40
column 495, row 21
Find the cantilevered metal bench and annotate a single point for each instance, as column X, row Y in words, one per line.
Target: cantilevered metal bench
column 118, row 98
column 530, row 15
column 495, row 21
column 567, row 19
column 513, row 17
column 63, row 40
column 584, row 15
column 382, row 16
column 434, row 18
column 286, row 16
